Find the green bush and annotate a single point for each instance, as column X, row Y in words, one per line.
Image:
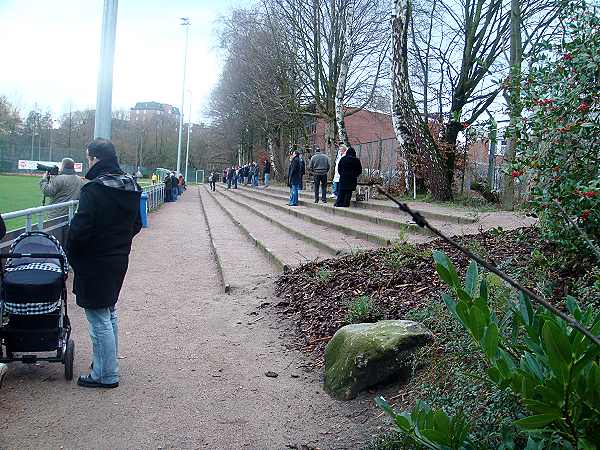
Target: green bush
column 554, row 370
column 559, row 137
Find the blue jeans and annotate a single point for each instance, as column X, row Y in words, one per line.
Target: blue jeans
column 104, row 333
column 267, row 178
column 335, row 188
column 294, row 194
column 255, row 180
column 175, row 192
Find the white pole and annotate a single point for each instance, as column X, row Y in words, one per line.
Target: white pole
column 185, row 22
column 414, row 186
column 187, row 151
column 102, row 128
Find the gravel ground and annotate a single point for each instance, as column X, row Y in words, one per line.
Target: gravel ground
column 193, row 364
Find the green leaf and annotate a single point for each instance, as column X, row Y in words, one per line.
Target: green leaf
column 490, row 341
column 557, row 344
column 441, row 259
column 537, row 422
column 483, row 291
column 450, row 304
column 403, row 422
column 526, row 309
column 471, row 279
column 444, row 275
column 573, row 307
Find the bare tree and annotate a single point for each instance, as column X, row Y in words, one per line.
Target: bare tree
column 333, row 38
column 467, row 41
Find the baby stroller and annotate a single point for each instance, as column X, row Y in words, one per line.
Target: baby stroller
column 33, row 302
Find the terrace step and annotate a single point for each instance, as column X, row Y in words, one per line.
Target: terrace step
column 386, row 208
column 321, row 235
column 381, row 235
column 396, row 219
column 283, row 249
column 239, row 263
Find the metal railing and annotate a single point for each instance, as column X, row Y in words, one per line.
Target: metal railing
column 40, row 212
column 156, row 195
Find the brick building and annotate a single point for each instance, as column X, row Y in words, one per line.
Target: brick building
column 371, row 133
column 145, row 111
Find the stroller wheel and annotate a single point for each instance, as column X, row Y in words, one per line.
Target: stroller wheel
column 68, row 360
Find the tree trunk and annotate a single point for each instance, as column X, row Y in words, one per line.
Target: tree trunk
column 514, row 100
column 340, row 92
column 416, row 143
column 330, row 138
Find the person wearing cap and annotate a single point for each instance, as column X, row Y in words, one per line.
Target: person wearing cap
column 99, row 244
column 61, row 188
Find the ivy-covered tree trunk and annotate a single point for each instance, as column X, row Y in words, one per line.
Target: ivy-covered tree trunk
column 412, row 131
column 514, row 101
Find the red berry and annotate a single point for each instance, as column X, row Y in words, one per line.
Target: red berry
column 585, row 215
column 567, row 57
column 584, row 107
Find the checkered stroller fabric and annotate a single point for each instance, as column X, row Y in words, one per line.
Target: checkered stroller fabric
column 33, row 286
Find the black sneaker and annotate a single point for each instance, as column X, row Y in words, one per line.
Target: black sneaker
column 89, row 382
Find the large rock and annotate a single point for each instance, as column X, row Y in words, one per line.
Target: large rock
column 363, row 355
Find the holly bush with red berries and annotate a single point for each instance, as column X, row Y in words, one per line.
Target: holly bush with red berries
column 560, row 133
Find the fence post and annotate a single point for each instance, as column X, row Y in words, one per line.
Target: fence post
column 40, row 221
column 28, row 224
column 144, row 209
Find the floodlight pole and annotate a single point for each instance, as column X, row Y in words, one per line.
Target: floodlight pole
column 185, row 21
column 102, row 127
column 187, row 151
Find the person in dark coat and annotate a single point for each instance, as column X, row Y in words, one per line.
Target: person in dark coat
column 350, row 169
column 294, row 177
column 267, row 172
column 302, row 171
column 168, row 189
column 99, row 244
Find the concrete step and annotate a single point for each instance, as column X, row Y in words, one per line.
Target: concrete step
column 239, row 262
column 386, row 208
column 396, row 220
column 322, row 236
column 285, row 250
column 350, row 226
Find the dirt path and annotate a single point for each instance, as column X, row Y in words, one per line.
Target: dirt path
column 193, row 367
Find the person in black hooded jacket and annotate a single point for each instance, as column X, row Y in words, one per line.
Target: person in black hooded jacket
column 99, row 244
column 349, row 169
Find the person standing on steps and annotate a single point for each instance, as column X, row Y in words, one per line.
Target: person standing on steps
column 212, row 181
column 229, row 176
column 98, row 249
column 294, row 177
column 336, row 177
column 350, row 169
column 267, row 172
column 302, row 170
column 319, row 166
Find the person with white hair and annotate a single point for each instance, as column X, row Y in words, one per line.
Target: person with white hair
column 61, row 188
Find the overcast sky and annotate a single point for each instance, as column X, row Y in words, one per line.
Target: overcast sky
column 49, row 52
